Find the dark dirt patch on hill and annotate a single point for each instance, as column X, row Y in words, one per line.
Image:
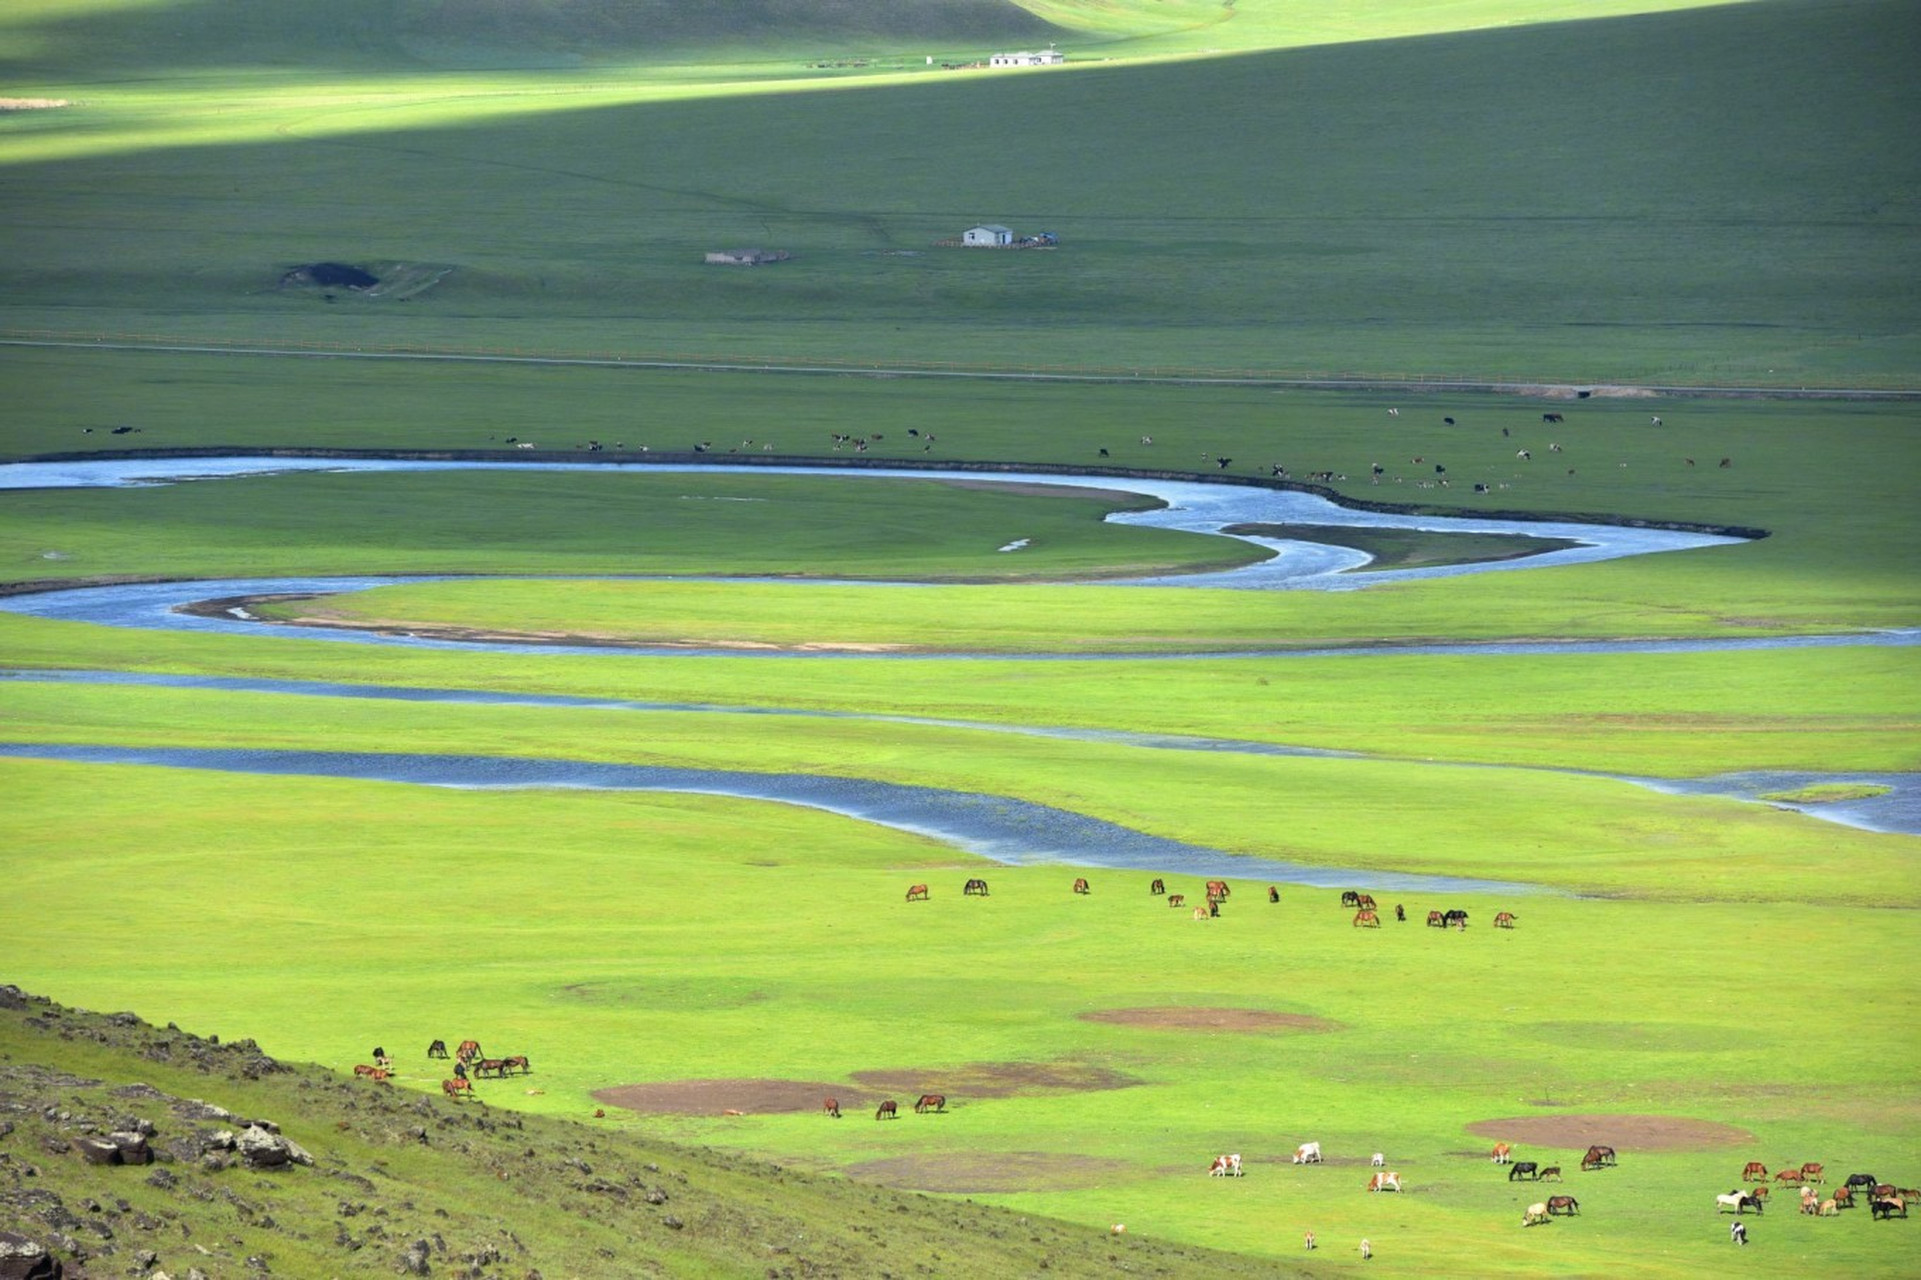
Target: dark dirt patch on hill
column 1622, row 1132
column 712, row 1097
column 1197, row 1018
column 988, row 1172
column 996, row 1079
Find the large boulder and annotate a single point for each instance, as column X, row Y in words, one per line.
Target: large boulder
column 24, row 1259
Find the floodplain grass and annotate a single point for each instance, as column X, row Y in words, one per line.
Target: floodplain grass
column 695, row 937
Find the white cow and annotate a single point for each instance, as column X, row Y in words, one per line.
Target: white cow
column 1308, row 1153
column 1226, row 1166
column 1379, row 1159
column 1384, row 1182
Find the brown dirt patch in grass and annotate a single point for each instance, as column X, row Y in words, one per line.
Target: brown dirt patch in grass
column 1622, row 1132
column 1199, row 1018
column 988, row 1172
column 994, row 1079
column 712, row 1097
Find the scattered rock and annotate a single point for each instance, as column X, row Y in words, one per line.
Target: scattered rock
column 414, row 1260
column 24, row 1259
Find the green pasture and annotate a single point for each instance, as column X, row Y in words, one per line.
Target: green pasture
column 1527, row 192
column 637, row 938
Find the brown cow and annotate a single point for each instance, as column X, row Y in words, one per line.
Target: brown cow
column 917, row 893
column 1502, row 1153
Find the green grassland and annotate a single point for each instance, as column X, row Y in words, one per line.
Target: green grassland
column 1549, row 201
column 1599, row 192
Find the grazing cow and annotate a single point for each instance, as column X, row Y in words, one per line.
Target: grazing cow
column 1367, row 920
column 930, row 1102
column 1597, row 1157
column 1654, row 421
column 1226, row 1167
column 1755, row 1172
column 1524, row 455
column 1435, row 920
column 1217, row 888
column 917, row 893
column 1384, row 1182
column 1503, row 1152
column 1524, row 1169
column 1308, row 1153
column 1890, row 1207
column 1380, row 1159
column 438, row 1049
column 1393, row 413
column 1727, row 462
column 1176, row 899
column 457, row 1086
column 1448, row 421
column 1563, row 1205
column 888, row 1110
column 1158, row 888
column 1534, row 1213
column 831, row 1107
column 1811, row 1171
column 1549, row 1173
column 1552, row 417
column 977, row 888
column 1504, row 920
column 1080, row 885
column 468, row 1050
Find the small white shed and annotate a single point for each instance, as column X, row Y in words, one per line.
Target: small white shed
column 991, row 234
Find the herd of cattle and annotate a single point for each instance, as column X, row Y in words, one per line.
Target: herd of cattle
column 1366, row 912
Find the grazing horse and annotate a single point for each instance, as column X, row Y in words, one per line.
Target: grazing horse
column 1273, row 893
column 1367, row 920
column 1202, row 913
column 1176, row 899
column 930, row 1102
column 1455, row 919
column 1889, row 1207
column 1217, row 889
column 1552, row 417
column 1080, row 886
column 1737, row 1202
column 468, row 1050
column 1502, row 1153
column 1867, row 1180
column 494, row 1066
column 1527, row 1169
column 1158, row 888
column 831, row 1107
column 1597, row 1157
column 1365, row 901
column 1379, row 1160
column 1550, row 1173
column 1788, row 1175
column 438, row 1049
column 888, row 1110
column 1534, row 1213
column 917, row 893
column 1755, row 1172
column 1844, row 1197
column 371, row 1072
column 518, row 1062
column 1435, row 920
column 1351, row 898
column 1563, row 1205
column 457, row 1086
column 975, row 888
column 1504, row 920
column 1811, row 1171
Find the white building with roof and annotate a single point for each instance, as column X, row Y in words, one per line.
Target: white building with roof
column 1028, row 58
column 990, row 233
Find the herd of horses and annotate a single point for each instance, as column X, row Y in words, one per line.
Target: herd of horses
column 890, row 1109
column 1885, row 1200
column 468, row 1061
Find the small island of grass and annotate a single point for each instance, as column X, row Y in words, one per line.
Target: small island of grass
column 1828, row 793
column 1411, row 548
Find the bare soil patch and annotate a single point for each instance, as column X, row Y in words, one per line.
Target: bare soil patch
column 1622, row 1132
column 1196, row 1018
column 712, row 1097
column 990, row 1172
column 995, row 1079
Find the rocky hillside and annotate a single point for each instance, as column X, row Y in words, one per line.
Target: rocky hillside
column 127, row 1149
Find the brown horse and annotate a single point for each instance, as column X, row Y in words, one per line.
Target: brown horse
column 1365, row 901
column 1435, row 920
column 1366, row 920
column 831, row 1107
column 1080, row 886
column 518, row 1062
column 468, row 1050
column 1811, row 1171
column 438, row 1049
column 1597, row 1157
column 917, row 893
column 1217, row 888
column 1176, row 899
column 978, row 888
column 371, row 1073
column 930, row 1102
column 490, row 1066
column 457, row 1086
column 1504, row 920
column 888, row 1110
column 1158, row 888
column 1562, row 1204
column 1755, row 1172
